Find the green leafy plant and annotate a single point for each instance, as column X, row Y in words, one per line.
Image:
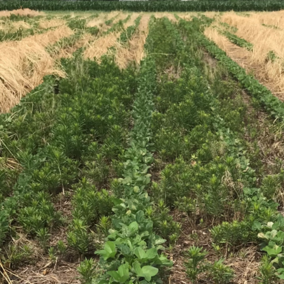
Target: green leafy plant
column 221, row 273
column 196, row 263
column 79, row 237
column 4, row 225
column 238, row 41
column 87, row 270
column 43, row 237
column 267, row 271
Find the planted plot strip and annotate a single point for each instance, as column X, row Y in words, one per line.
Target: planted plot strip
column 80, row 146
column 132, row 248
column 238, row 230
column 271, row 103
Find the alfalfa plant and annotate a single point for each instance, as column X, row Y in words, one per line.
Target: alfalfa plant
column 197, row 264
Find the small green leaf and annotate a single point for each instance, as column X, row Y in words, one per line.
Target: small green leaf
column 159, row 241
column 165, row 261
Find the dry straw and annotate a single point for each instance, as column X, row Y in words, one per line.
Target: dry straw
column 7, row 25
column 21, row 25
column 46, row 24
column 23, row 64
column 134, row 51
column 83, row 41
column 98, row 21
column 264, row 40
column 131, row 21
column 99, row 47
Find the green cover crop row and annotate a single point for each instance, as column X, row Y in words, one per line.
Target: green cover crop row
column 272, row 104
column 202, row 121
column 237, row 40
column 131, row 253
column 200, row 139
column 221, row 5
column 52, row 133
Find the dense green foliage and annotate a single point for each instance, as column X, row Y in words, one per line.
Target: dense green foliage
column 133, row 149
column 220, row 5
column 209, row 174
column 51, row 139
column 131, row 253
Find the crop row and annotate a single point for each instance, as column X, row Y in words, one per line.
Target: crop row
column 271, row 103
column 131, row 252
column 64, row 144
column 237, row 40
column 209, row 174
column 147, row 6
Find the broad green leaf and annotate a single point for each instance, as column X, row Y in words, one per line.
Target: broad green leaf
column 109, row 250
column 121, row 275
column 123, row 271
column 148, row 272
column 140, row 216
column 137, row 267
column 114, row 275
column 140, row 253
column 133, row 228
column 273, row 251
column 151, row 253
column 280, row 273
column 124, row 249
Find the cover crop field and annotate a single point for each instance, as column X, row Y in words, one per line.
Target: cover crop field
column 141, row 147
